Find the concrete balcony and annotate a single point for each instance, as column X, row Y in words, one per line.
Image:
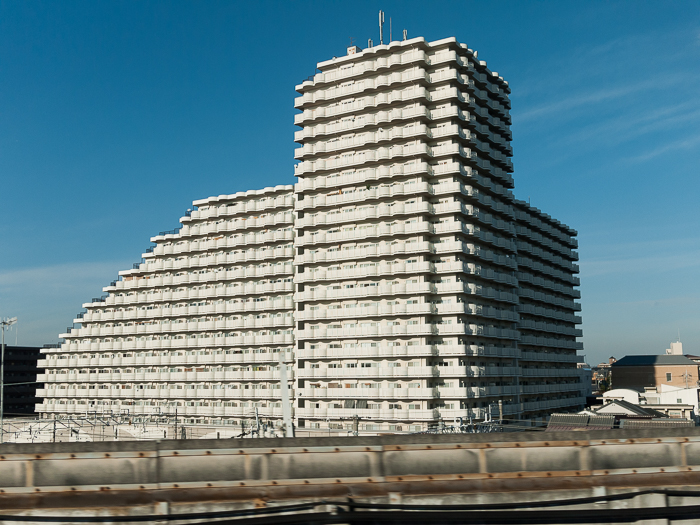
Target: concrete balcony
column 371, row 414
column 377, row 394
column 404, row 372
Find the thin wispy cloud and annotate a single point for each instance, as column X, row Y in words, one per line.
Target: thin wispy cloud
column 565, row 106
column 57, row 276
column 46, row 298
column 688, row 143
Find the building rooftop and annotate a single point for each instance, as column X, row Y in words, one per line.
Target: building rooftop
column 618, row 406
column 650, row 360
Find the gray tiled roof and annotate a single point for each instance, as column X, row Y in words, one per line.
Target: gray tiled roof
column 649, row 360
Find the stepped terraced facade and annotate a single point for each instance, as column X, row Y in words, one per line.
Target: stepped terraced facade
column 400, row 278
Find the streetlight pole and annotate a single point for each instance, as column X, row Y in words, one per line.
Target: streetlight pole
column 5, row 323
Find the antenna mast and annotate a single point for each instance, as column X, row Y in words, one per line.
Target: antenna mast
column 381, row 27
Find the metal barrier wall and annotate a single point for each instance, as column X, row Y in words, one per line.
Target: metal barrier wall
column 172, row 477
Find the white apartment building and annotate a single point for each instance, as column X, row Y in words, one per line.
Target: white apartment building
column 417, row 290
column 196, row 328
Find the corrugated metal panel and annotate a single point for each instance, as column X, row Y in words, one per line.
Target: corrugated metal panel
column 602, row 422
column 655, row 423
column 568, row 420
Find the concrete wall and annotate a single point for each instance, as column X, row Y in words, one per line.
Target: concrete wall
column 644, row 376
column 128, row 478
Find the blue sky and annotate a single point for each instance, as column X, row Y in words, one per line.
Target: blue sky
column 114, row 116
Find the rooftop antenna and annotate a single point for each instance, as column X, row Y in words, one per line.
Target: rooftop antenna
column 352, row 41
column 390, row 37
column 405, row 34
column 381, row 27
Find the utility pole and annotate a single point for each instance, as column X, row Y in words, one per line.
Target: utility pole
column 4, row 324
column 286, row 403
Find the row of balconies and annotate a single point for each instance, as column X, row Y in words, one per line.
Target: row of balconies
column 364, row 231
column 415, row 94
column 279, row 219
column 160, row 393
column 346, row 253
column 532, row 221
column 411, row 189
column 321, row 393
column 354, row 104
column 273, row 303
column 404, row 330
column 324, row 293
column 550, row 328
column 400, row 58
column 550, row 372
column 363, row 190
column 167, row 358
column 219, row 293
column 351, row 159
column 541, row 282
column 548, row 256
column 411, row 394
column 178, row 344
column 454, row 74
column 550, row 342
column 243, row 207
column 356, row 392
column 369, row 174
column 382, row 310
column 317, row 274
column 362, row 157
column 525, row 263
column 366, row 352
column 526, row 293
column 552, row 388
column 383, row 209
column 383, row 117
column 203, row 273
column 191, row 377
column 369, row 120
column 364, row 83
column 482, row 253
column 199, row 411
column 546, row 241
column 218, row 308
column 402, row 415
column 387, row 394
column 551, row 313
column 333, row 92
column 184, row 327
column 408, row 248
column 279, row 285
column 407, row 372
column 397, row 133
column 367, row 413
column 238, row 257
column 365, row 137
column 193, row 241
column 550, row 357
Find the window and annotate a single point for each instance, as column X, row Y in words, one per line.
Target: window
column 668, row 377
